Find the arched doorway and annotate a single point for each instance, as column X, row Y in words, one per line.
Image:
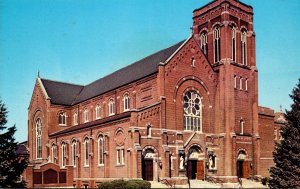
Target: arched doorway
column 147, row 164
column 195, row 163
column 242, row 165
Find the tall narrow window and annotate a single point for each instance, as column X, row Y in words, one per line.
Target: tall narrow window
column 120, row 156
column 241, row 126
column 86, row 152
column 75, row 118
column 98, row 111
column 244, row 47
column 62, row 118
column 53, row 153
column 217, row 44
column 63, row 155
column 74, row 153
column 192, row 111
column 100, row 150
column 241, row 83
column 86, row 115
column 203, row 45
column 246, row 84
column 111, row 107
column 126, row 102
column 233, row 44
column 235, row 81
column 38, row 129
column 149, row 131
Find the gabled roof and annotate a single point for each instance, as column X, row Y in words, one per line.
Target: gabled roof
column 61, row 93
column 70, row 94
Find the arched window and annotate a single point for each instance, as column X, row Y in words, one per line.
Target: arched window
column 192, row 111
column 126, row 102
column 233, row 43
column 63, row 154
column 86, row 115
column 244, row 47
column 53, row 153
column 217, row 44
column 149, row 131
column 62, row 118
column 100, row 150
column 38, row 129
column 111, row 107
column 120, row 156
column 86, row 152
column 98, row 111
column 203, row 43
column 241, row 126
column 235, row 81
column 241, row 83
column 74, row 153
column 75, row 118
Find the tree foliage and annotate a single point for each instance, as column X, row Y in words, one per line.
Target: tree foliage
column 11, row 164
column 286, row 173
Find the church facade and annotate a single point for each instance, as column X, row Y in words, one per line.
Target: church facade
column 189, row 111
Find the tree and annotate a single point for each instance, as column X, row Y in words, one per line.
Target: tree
column 286, row 173
column 11, row 164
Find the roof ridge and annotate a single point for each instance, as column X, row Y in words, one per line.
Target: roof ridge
column 68, row 83
column 136, row 62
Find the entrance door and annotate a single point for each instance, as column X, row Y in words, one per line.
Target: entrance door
column 239, row 167
column 148, row 170
column 245, row 169
column 200, row 170
column 192, row 169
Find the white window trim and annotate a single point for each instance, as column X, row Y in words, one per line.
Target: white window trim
column 246, row 84
column 203, row 38
column 235, row 81
column 233, row 56
column 241, row 83
column 149, row 131
column 102, row 154
column 86, row 149
column 38, row 128
column 98, row 111
column 242, row 127
column 63, row 155
column 126, row 100
column 64, row 119
column 188, row 117
column 120, row 156
column 244, row 47
column 75, row 118
column 53, row 153
column 74, row 153
column 86, row 115
column 111, row 107
column 216, row 37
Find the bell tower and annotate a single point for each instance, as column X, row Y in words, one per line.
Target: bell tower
column 224, row 32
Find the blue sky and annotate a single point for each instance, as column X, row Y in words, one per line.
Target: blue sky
column 79, row 41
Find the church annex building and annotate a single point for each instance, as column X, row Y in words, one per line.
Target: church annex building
column 189, row 111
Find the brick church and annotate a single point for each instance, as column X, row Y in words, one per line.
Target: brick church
column 189, row 111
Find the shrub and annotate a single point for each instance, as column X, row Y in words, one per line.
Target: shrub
column 120, row 184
